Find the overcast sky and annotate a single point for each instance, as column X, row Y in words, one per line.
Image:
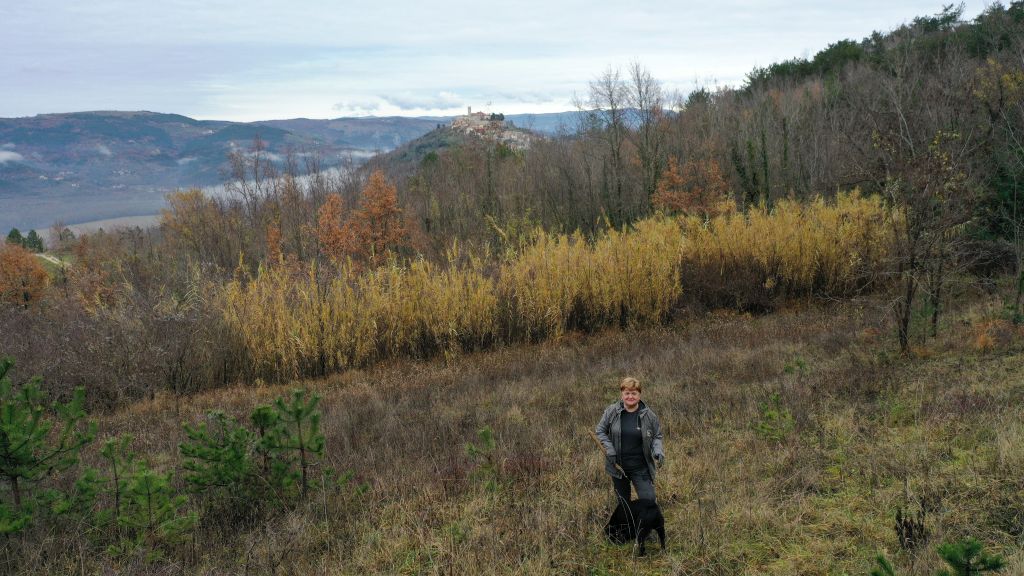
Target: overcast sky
column 264, row 59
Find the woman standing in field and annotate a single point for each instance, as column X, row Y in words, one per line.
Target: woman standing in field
column 631, row 436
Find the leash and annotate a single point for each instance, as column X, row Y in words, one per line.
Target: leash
column 601, row 448
column 622, row 501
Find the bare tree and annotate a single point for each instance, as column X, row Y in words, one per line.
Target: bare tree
column 646, row 100
column 609, row 97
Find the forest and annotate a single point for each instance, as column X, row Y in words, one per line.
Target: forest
column 820, row 270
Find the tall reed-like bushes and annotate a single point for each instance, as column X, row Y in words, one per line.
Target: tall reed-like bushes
column 307, row 323
column 565, row 282
column 759, row 258
column 310, row 322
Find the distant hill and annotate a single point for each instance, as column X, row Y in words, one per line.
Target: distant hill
column 375, row 134
column 550, row 123
column 85, row 166
column 513, row 131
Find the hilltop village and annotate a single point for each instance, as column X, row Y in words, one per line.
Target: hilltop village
column 493, row 127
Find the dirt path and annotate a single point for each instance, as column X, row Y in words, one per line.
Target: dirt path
column 51, row 259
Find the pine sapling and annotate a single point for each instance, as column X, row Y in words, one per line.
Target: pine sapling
column 121, row 462
column 33, row 446
column 884, row 567
column 217, row 455
column 484, row 456
column 300, row 427
column 152, row 510
column 967, row 558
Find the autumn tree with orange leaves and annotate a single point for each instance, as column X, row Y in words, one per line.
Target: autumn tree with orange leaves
column 22, row 277
column 329, row 232
column 697, row 189
column 374, row 229
column 275, row 254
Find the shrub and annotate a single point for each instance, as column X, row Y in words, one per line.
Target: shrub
column 967, row 558
column 34, row 444
column 756, row 259
column 776, row 421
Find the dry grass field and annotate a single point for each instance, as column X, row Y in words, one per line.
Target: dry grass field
column 792, row 439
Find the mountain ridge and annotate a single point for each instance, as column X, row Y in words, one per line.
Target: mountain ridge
column 82, row 166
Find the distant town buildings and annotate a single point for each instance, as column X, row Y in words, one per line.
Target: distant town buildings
column 492, row 127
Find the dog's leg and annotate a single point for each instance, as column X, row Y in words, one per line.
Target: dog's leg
column 661, row 536
column 641, row 540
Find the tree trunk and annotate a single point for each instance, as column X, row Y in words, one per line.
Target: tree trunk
column 15, row 490
column 904, row 310
column 936, row 293
column 1020, row 292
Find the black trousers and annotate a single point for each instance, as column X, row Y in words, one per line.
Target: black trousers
column 641, row 480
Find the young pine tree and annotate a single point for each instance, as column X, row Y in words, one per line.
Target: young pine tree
column 483, row 453
column 884, row 567
column 121, row 465
column 15, row 237
column 298, row 432
column 218, row 457
column 273, row 468
column 34, row 242
column 967, row 558
column 152, row 510
column 35, row 443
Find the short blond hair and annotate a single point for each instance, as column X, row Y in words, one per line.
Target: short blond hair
column 630, row 383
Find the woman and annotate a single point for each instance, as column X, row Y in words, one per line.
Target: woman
column 631, row 436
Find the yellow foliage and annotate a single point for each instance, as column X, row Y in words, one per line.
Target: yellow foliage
column 299, row 324
column 993, row 334
column 562, row 281
column 796, row 249
column 310, row 322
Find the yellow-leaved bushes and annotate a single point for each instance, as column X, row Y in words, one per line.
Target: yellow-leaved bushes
column 310, row 322
column 425, row 308
column 756, row 259
column 295, row 324
column 563, row 282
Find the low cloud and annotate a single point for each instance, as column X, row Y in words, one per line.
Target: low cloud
column 265, row 154
column 8, row 156
column 527, row 97
column 102, row 149
column 8, row 146
column 186, row 160
column 410, row 101
column 359, row 106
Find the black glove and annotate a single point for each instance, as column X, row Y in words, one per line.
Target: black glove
column 610, row 459
column 659, row 460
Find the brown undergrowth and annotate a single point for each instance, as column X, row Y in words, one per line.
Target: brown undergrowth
column 792, row 440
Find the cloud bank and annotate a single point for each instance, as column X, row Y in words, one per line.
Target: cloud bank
column 323, row 58
column 8, row 156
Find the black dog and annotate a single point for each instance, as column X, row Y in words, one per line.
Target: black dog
column 637, row 521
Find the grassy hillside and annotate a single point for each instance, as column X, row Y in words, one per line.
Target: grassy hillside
column 792, row 440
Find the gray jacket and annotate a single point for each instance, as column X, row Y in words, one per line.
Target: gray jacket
column 609, row 432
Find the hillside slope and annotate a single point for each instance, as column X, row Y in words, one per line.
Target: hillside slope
column 94, row 165
column 792, row 439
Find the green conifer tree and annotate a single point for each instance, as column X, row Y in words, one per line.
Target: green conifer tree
column 884, row 567
column 299, row 432
column 32, row 448
column 121, row 462
column 218, row 457
column 152, row 510
column 34, row 242
column 483, row 453
column 15, row 237
column 967, row 558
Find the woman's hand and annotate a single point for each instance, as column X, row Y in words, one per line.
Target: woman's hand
column 659, row 460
